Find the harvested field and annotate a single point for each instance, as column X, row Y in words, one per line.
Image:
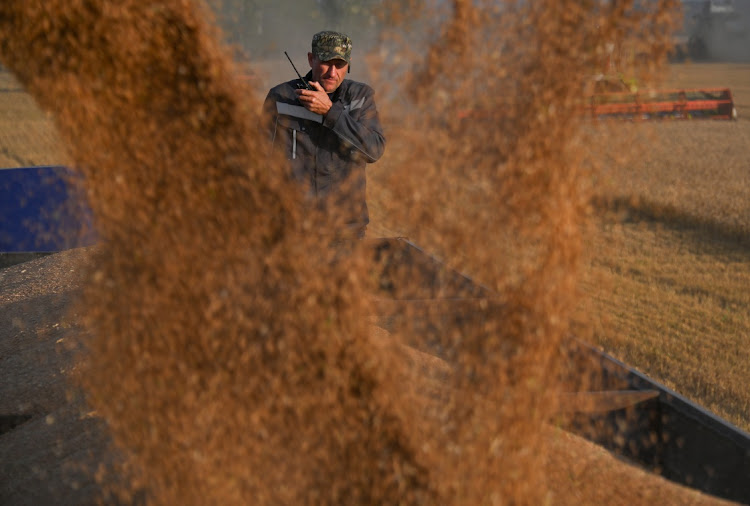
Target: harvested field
column 669, row 277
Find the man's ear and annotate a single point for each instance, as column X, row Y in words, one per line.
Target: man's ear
column 310, row 59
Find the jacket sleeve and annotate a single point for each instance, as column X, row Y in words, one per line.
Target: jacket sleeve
column 359, row 125
column 268, row 116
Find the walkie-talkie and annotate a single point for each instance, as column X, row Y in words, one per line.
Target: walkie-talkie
column 307, row 85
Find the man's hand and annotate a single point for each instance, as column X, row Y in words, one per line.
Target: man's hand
column 315, row 101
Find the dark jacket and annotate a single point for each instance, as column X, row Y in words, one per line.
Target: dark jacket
column 328, row 154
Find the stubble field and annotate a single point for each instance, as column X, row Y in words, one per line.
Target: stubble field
column 669, row 271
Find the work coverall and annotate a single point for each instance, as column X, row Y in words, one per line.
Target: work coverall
column 328, row 154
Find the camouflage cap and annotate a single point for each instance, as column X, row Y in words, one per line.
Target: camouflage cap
column 328, row 45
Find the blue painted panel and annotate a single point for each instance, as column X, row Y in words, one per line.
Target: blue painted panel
column 40, row 211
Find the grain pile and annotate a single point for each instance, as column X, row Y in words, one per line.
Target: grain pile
column 228, row 345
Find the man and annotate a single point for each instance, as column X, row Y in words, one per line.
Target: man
column 328, row 133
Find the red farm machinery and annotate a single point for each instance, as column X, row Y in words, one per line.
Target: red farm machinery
column 613, row 99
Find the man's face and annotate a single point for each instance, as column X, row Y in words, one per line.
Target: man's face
column 328, row 73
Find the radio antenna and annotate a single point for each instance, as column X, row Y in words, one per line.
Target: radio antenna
column 307, row 85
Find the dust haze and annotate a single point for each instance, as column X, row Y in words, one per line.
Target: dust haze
column 716, row 30
column 260, row 32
